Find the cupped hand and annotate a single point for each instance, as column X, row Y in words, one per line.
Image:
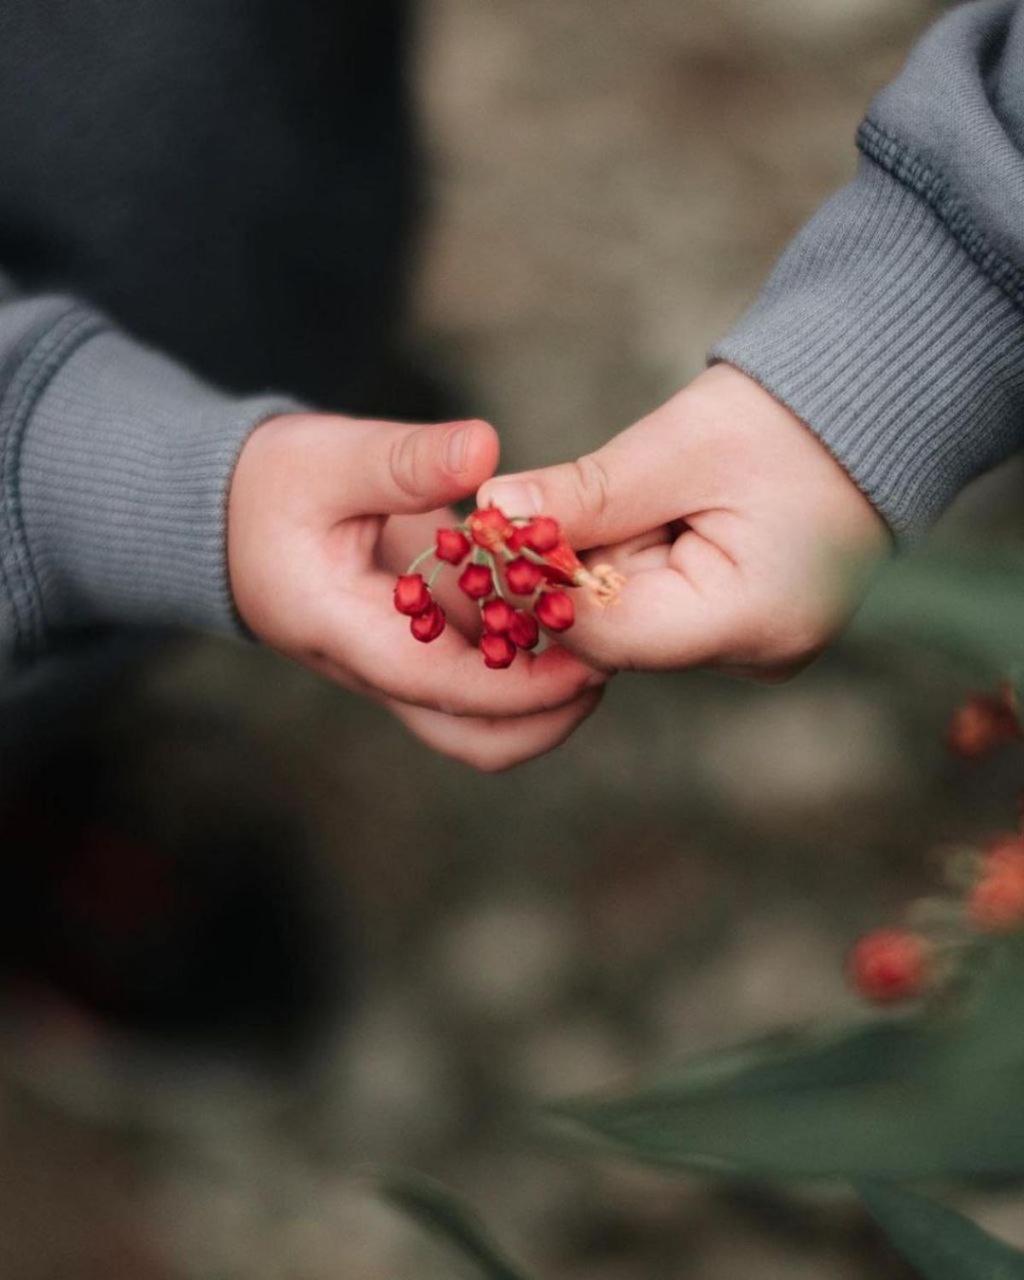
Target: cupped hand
column 742, row 539
column 322, row 510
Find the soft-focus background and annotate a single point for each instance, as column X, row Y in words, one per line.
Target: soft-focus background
column 611, row 183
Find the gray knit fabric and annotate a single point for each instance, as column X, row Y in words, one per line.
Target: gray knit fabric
column 229, row 183
column 115, row 467
column 893, row 323
column 879, row 331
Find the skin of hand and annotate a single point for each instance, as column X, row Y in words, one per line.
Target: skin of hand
column 744, row 542
column 323, row 512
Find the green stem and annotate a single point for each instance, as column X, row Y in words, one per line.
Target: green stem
column 423, row 555
column 495, row 574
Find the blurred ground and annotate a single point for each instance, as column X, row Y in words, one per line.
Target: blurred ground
column 612, row 182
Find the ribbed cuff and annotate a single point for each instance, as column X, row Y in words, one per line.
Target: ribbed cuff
column 123, row 465
column 880, row 333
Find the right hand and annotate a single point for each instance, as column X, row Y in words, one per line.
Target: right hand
column 737, row 531
column 323, row 512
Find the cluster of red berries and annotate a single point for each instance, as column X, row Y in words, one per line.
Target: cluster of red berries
column 527, row 559
column 891, row 965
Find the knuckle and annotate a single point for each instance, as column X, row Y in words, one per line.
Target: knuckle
column 404, row 464
column 591, row 483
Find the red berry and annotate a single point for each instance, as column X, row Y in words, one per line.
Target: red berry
column 411, row 595
column 555, row 610
column 489, row 527
column 429, row 625
column 996, row 902
column 452, row 546
column 889, row 965
column 524, row 631
column 1004, row 852
column 498, row 651
column 497, row 616
column 523, row 576
column 985, row 721
column 477, row 582
column 542, row 535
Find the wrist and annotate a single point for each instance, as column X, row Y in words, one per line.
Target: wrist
column 125, row 466
column 881, row 334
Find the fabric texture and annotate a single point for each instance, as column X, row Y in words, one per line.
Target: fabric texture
column 892, row 325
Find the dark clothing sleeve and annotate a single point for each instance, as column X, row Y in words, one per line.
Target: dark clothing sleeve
column 199, row 200
column 893, row 324
column 115, row 465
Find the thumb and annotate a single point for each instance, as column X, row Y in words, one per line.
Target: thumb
column 408, row 469
column 631, row 485
column 601, row 498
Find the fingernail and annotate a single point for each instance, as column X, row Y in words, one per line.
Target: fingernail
column 515, row 497
column 456, row 449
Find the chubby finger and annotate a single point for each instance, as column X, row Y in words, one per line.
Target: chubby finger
column 495, row 745
column 405, row 469
column 449, row 674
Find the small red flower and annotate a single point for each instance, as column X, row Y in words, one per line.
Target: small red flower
column 477, row 581
column 498, row 650
column 546, row 565
column 429, row 625
column 1004, row 852
column 524, row 632
column 489, row 528
column 555, row 610
column 983, row 723
column 563, row 565
column 889, row 965
column 523, row 576
column 542, row 535
column 411, row 595
column 996, row 903
column 498, row 616
column 452, row 546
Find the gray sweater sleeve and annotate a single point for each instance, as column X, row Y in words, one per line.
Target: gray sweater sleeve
column 114, row 471
column 893, row 324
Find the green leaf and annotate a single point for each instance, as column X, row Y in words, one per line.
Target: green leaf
column 918, row 1098
column 972, row 609
column 790, row 1060
column 941, row 1244
column 442, row 1213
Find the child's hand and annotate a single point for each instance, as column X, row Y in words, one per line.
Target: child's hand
column 320, row 516
column 734, row 525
